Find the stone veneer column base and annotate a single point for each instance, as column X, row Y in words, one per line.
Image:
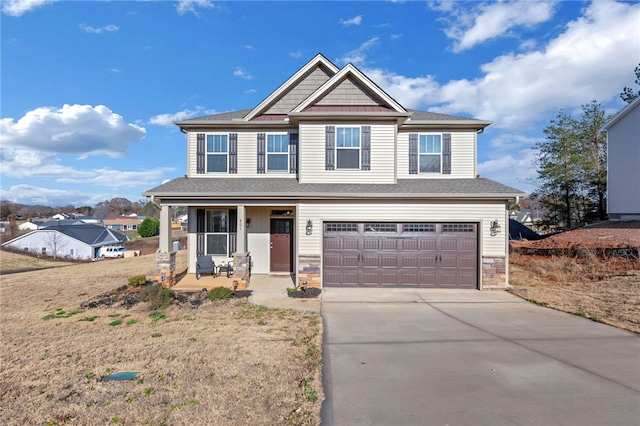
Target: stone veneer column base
column 494, row 273
column 166, row 268
column 309, row 271
column 241, row 269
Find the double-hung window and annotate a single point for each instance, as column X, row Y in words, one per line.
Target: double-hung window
column 278, row 153
column 217, row 229
column 430, row 153
column 217, row 153
column 348, row 147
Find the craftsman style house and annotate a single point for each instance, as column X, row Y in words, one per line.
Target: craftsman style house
column 331, row 180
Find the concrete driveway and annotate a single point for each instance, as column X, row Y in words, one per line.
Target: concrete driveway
column 464, row 357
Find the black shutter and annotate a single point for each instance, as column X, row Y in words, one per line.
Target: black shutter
column 261, row 151
column 200, row 228
column 293, row 153
column 413, row 154
column 233, row 153
column 446, row 153
column 366, row 147
column 330, row 148
column 200, row 153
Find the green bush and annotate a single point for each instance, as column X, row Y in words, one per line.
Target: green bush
column 157, row 296
column 219, row 293
column 149, row 227
column 137, row 281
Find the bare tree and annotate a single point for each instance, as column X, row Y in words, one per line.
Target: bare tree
column 55, row 242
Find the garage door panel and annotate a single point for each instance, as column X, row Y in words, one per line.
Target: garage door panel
column 428, row 255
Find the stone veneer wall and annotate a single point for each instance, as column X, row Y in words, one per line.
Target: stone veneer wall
column 166, row 268
column 242, row 269
column 309, row 270
column 494, row 273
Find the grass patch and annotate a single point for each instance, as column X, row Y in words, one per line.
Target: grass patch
column 157, row 316
column 60, row 313
column 220, row 293
column 137, row 281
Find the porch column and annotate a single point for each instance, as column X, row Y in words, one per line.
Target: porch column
column 241, row 241
column 165, row 229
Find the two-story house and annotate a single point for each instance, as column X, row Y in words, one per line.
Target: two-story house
column 333, row 181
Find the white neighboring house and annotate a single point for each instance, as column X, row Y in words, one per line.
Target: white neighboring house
column 332, row 181
column 623, row 158
column 70, row 241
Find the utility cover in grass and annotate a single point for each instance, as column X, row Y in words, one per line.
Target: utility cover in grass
column 124, row 375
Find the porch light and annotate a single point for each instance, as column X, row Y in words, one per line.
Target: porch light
column 494, row 228
column 309, row 227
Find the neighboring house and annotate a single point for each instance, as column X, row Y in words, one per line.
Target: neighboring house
column 37, row 224
column 68, row 241
column 331, row 180
column 623, row 158
column 126, row 224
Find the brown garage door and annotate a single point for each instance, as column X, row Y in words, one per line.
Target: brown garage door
column 438, row 255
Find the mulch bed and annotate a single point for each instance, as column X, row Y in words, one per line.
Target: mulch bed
column 128, row 297
column 304, row 294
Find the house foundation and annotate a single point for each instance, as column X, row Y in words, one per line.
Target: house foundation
column 166, row 268
column 309, row 271
column 241, row 270
column 494, row 273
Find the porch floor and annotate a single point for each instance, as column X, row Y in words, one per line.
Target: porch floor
column 267, row 290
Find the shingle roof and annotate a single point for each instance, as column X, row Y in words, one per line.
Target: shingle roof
column 243, row 188
column 90, row 234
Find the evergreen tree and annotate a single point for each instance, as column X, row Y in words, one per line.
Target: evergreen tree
column 628, row 95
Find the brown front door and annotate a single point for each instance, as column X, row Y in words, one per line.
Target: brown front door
column 281, row 230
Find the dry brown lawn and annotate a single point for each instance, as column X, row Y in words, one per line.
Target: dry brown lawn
column 605, row 291
column 222, row 363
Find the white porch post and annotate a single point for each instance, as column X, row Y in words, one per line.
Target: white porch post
column 165, row 229
column 241, row 239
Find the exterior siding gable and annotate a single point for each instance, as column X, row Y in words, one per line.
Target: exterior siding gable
column 300, row 91
column 349, row 92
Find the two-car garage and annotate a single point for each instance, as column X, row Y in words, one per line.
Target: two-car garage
column 399, row 254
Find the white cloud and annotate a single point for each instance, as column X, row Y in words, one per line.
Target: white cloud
column 83, row 130
column 409, row 91
column 356, row 20
column 513, row 169
column 590, row 60
column 34, row 195
column 20, row 7
column 108, row 28
column 296, row 55
column 487, row 21
column 239, row 72
column 166, row 120
column 115, row 179
column 186, row 6
column 358, row 56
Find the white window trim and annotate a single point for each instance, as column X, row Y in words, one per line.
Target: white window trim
column 207, row 233
column 420, row 154
column 267, row 152
column 350, row 148
column 207, row 153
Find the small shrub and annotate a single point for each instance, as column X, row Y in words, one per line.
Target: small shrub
column 157, row 296
column 219, row 293
column 156, row 316
column 137, row 281
column 115, row 322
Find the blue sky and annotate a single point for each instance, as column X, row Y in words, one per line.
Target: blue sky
column 89, row 88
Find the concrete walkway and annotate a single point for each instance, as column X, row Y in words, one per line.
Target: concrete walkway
column 465, row 357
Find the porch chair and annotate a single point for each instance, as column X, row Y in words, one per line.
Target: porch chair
column 205, row 265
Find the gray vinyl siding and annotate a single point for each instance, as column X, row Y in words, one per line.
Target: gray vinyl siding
column 311, row 155
column 463, row 156
column 300, row 92
column 432, row 211
column 623, row 186
column 349, row 93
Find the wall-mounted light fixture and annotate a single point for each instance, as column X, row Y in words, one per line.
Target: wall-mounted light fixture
column 309, row 227
column 494, row 227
